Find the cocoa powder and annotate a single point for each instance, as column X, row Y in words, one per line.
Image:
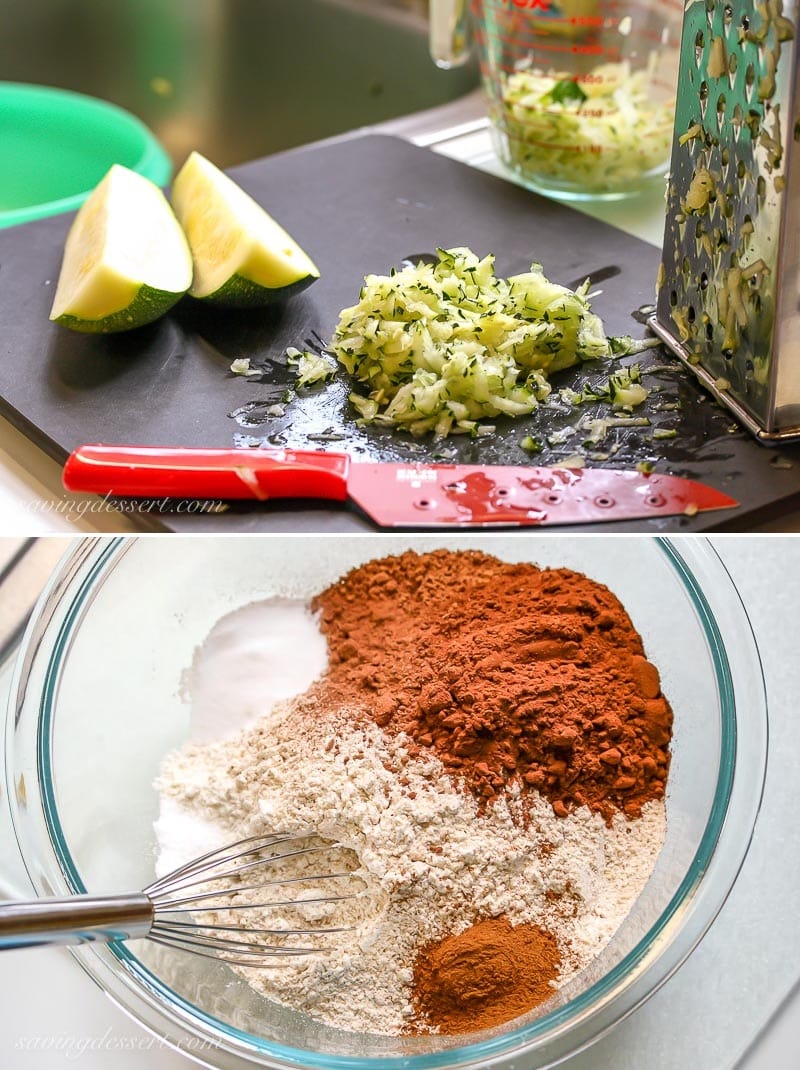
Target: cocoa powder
column 508, row 672
column 484, row 976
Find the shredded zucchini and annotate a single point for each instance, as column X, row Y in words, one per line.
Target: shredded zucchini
column 623, row 389
column 310, row 367
column 241, row 366
column 603, row 134
column 438, row 347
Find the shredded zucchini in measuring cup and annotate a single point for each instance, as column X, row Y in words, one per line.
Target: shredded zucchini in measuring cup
column 597, row 131
column 440, row 346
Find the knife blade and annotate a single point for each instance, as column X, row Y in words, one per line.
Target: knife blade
column 392, row 495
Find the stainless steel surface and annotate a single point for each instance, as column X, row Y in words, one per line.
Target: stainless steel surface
column 723, row 396
column 730, row 277
column 171, row 910
column 74, row 920
column 235, row 79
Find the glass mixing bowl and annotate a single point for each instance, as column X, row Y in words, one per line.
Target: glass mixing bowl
column 97, row 704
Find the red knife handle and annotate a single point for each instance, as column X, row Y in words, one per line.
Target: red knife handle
column 169, row 472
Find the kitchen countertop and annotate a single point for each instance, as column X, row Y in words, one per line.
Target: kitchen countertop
column 32, row 501
column 735, row 1000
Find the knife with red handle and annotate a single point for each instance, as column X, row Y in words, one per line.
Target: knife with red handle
column 394, row 494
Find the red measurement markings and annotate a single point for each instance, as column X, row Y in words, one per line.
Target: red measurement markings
column 528, row 5
column 590, row 49
column 506, row 6
column 545, row 6
column 615, row 5
column 491, row 69
column 597, row 22
column 521, row 34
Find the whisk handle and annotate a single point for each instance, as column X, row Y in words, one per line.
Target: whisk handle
column 76, row 919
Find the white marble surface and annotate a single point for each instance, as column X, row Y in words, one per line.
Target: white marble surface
column 706, row 1017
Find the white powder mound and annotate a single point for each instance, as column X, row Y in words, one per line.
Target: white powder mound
column 253, row 658
column 426, row 863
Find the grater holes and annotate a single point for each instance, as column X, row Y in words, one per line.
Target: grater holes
column 753, row 123
column 744, row 179
column 737, row 120
column 745, row 23
column 703, row 281
column 673, row 299
column 709, row 331
column 749, row 81
column 702, row 239
column 727, row 18
column 691, row 315
column 692, row 143
column 761, row 187
column 733, row 67
column 702, row 93
column 721, row 105
column 699, row 47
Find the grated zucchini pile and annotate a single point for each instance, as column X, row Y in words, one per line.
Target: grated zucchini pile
column 439, row 347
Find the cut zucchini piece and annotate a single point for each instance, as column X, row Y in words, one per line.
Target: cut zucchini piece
column 126, row 259
column 242, row 257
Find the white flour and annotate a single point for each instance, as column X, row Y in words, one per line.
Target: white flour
column 426, row 862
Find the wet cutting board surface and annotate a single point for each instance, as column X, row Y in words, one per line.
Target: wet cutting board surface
column 360, row 205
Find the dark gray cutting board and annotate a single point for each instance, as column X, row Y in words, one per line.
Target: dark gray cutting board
column 358, row 205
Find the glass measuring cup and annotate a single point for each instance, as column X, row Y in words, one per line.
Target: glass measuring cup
column 581, row 92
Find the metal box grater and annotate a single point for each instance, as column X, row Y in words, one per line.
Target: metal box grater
column 729, row 285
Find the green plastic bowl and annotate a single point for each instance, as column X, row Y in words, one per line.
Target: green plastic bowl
column 55, row 146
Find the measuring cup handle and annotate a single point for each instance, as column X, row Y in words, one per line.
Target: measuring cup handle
column 449, row 32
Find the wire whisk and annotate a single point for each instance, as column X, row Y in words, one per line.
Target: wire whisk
column 193, row 908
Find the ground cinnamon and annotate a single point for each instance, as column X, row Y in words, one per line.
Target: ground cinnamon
column 488, row 974
column 508, row 672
